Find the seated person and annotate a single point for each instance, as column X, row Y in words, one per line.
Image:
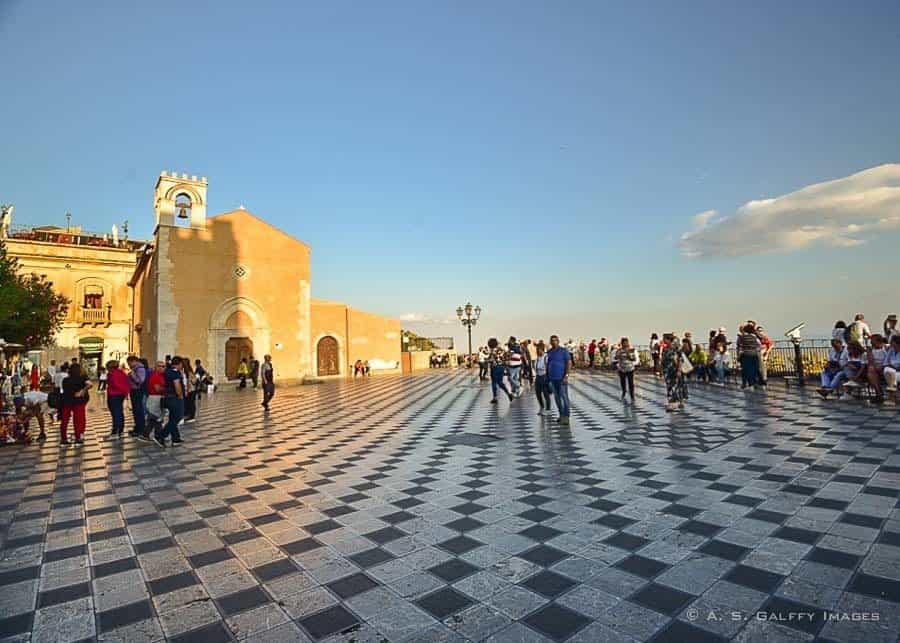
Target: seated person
column 699, row 358
column 720, row 362
column 892, row 363
column 853, row 372
column 837, row 360
column 876, row 356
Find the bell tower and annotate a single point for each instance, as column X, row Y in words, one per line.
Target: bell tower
column 180, row 201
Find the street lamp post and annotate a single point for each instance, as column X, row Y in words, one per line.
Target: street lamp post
column 468, row 317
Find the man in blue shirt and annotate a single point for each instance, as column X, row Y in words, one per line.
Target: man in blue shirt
column 173, row 402
column 559, row 360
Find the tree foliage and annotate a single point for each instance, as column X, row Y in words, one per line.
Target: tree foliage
column 30, row 312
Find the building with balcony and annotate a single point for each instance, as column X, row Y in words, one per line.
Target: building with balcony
column 92, row 270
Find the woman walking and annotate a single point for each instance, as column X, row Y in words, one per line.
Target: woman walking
column 117, row 389
column 676, row 388
column 655, row 353
column 625, row 359
column 74, row 398
column 35, row 378
column 497, row 360
column 190, row 386
column 541, row 386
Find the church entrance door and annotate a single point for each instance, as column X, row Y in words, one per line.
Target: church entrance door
column 236, row 349
column 327, row 356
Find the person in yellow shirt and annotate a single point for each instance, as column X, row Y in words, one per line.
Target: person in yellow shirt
column 699, row 358
column 243, row 373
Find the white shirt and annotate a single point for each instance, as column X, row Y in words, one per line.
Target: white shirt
column 58, row 378
column 540, row 365
column 35, row 398
column 841, row 358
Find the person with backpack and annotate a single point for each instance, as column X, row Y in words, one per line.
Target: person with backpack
column 137, row 381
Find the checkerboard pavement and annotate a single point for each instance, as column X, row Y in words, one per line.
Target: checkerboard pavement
column 409, row 509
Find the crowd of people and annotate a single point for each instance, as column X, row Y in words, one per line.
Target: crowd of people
column 547, row 372
column 162, row 399
column 858, row 358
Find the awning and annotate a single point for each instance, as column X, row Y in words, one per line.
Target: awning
column 91, row 344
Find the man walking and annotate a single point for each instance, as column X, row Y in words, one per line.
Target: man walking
column 268, row 381
column 173, row 402
column 254, row 371
column 137, row 378
column 559, row 360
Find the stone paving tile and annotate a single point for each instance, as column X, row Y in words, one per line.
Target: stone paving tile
column 409, row 509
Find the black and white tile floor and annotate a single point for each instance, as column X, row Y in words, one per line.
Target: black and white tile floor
column 409, row 509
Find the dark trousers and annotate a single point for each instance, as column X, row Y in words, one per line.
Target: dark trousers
column 542, row 389
column 626, row 380
column 749, row 369
column 138, row 410
column 497, row 382
column 268, row 393
column 243, row 383
column 175, row 407
column 482, row 370
column 190, row 405
column 116, row 406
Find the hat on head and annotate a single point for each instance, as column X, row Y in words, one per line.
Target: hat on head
column 892, row 317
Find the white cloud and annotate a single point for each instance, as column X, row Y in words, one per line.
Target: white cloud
column 842, row 213
column 423, row 318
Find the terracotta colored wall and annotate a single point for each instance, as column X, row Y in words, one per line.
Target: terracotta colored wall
column 374, row 337
column 69, row 268
column 203, row 263
column 329, row 318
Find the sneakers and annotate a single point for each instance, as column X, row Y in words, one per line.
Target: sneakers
column 79, row 441
column 143, row 438
column 42, row 437
column 177, row 442
column 64, row 443
column 511, row 398
column 823, row 392
column 494, row 401
column 158, row 441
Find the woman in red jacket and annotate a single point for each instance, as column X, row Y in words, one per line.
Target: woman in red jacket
column 35, row 378
column 117, row 389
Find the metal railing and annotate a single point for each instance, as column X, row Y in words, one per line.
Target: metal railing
column 94, row 315
column 82, row 238
column 781, row 361
column 428, row 344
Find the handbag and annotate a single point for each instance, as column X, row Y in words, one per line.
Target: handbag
column 686, row 366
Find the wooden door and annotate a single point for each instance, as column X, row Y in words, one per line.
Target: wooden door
column 236, row 349
column 327, row 356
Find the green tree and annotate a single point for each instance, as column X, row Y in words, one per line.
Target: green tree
column 30, row 312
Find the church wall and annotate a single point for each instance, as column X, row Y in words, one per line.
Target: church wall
column 373, row 337
column 145, row 310
column 329, row 318
column 238, row 258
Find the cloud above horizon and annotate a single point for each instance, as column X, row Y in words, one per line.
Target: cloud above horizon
column 841, row 213
column 422, row 318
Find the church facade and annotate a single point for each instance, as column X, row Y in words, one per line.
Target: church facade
column 231, row 286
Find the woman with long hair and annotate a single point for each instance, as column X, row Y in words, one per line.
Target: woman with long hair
column 748, row 346
column 655, row 352
column 676, row 388
column 190, row 388
column 75, row 389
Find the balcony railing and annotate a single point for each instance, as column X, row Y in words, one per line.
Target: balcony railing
column 94, row 315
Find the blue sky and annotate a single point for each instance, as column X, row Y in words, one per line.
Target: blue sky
column 542, row 160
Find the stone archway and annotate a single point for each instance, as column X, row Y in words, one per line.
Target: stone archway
column 237, row 317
